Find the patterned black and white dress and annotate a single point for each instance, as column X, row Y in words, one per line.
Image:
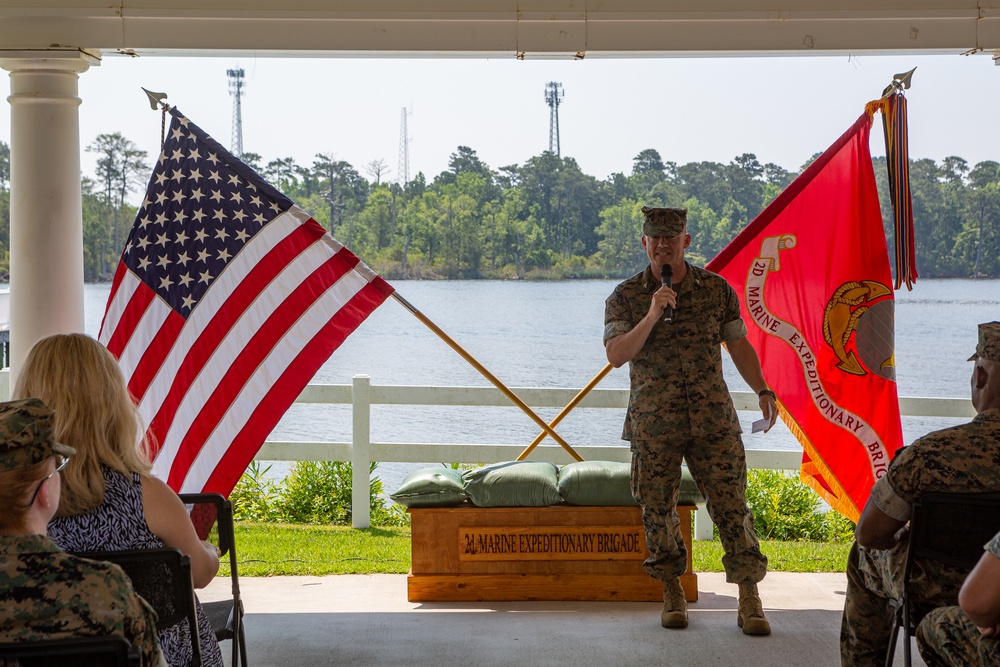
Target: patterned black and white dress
column 119, row 524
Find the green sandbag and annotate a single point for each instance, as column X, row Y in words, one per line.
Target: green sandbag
column 596, row 483
column 513, row 484
column 431, row 487
column 609, row 483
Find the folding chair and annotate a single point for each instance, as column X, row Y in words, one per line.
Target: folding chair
column 163, row 578
column 106, row 651
column 212, row 516
column 948, row 528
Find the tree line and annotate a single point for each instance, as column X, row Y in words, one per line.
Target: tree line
column 544, row 218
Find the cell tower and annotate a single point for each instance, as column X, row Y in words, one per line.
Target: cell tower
column 236, row 90
column 403, row 169
column 553, row 97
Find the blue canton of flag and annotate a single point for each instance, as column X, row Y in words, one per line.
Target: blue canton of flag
column 198, row 214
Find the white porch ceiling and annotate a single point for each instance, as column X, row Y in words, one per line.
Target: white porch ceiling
column 501, row 28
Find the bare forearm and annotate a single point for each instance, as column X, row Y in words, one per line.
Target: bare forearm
column 980, row 594
column 747, row 363
column 622, row 349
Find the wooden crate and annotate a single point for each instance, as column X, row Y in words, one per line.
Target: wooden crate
column 561, row 552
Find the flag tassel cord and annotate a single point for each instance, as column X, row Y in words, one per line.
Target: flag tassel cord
column 488, row 375
column 892, row 104
column 565, row 411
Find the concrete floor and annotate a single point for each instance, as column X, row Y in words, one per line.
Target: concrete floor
column 360, row 620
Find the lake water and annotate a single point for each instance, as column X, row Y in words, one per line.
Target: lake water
column 548, row 334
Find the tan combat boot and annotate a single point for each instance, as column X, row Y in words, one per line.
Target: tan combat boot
column 750, row 616
column 675, row 610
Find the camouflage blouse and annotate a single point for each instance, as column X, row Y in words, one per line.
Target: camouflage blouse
column 49, row 594
column 961, row 458
column 677, row 382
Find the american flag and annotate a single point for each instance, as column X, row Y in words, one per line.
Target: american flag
column 226, row 301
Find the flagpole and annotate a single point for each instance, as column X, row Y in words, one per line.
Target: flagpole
column 565, row 411
column 488, row 375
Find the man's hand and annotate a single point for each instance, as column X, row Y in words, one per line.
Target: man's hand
column 662, row 298
column 769, row 408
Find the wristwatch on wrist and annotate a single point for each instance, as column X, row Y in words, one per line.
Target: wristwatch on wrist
column 768, row 392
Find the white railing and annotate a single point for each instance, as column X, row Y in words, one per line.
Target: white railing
column 361, row 451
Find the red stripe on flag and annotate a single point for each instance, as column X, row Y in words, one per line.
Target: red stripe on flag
column 129, row 321
column 284, row 392
column 215, row 331
column 248, row 360
column 154, row 354
column 120, row 272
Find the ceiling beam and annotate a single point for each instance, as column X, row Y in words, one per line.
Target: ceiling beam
column 502, row 28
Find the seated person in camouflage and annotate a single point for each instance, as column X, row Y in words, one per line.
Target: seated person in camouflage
column 46, row 593
column 968, row 634
column 964, row 458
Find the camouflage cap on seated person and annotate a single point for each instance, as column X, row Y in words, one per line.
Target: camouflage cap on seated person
column 26, row 434
column 664, row 221
column 989, row 342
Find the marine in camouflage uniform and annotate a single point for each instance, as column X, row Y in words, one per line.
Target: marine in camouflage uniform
column 46, row 593
column 680, row 408
column 947, row 638
column 964, row 459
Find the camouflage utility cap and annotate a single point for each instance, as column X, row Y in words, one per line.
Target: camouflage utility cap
column 989, row 342
column 26, row 434
column 664, row 221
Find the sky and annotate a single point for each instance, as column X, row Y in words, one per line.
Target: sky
column 689, row 109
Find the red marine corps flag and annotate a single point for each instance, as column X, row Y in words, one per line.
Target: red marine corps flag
column 813, row 273
column 226, row 301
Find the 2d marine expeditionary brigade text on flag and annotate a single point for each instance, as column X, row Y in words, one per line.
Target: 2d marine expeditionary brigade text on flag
column 226, row 301
column 812, row 271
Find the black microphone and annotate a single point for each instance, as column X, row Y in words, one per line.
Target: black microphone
column 667, row 280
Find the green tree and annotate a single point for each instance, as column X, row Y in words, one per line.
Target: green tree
column 620, row 250
column 648, row 170
column 979, row 241
column 121, row 167
column 283, row 174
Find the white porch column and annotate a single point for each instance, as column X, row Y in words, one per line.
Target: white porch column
column 46, row 213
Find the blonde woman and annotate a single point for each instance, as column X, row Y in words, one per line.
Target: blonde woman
column 109, row 501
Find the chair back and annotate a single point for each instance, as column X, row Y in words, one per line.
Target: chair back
column 952, row 528
column 163, row 578
column 948, row 528
column 212, row 517
column 101, row 651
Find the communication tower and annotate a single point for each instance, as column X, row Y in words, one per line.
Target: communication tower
column 403, row 168
column 553, row 97
column 236, row 90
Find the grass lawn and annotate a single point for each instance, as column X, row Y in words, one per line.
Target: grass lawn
column 268, row 549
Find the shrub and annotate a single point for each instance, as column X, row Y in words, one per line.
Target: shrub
column 786, row 509
column 255, row 496
column 316, row 492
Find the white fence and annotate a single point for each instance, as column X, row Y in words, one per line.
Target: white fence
column 361, row 451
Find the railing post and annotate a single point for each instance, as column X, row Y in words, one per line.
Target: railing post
column 703, row 524
column 361, row 451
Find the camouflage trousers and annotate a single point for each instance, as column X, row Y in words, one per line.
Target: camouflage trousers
column 874, row 587
column 947, row 638
column 719, row 468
